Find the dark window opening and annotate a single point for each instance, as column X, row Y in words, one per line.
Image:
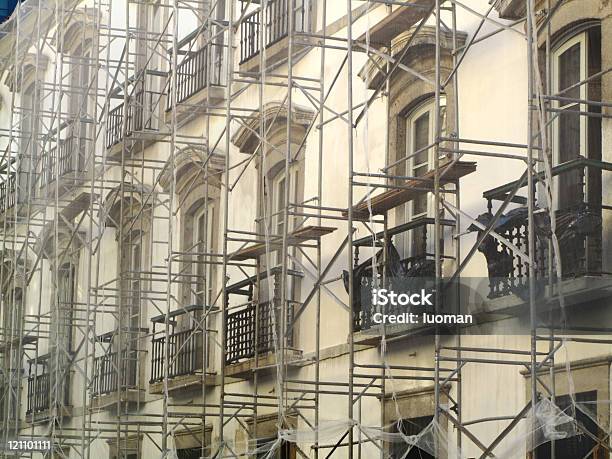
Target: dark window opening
column 412, row 426
column 578, row 446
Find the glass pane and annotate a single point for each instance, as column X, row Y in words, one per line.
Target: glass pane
column 420, row 205
column 421, row 138
column 280, row 205
column 200, row 248
column 569, row 133
column 569, row 71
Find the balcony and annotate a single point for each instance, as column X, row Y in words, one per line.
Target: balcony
column 142, row 107
column 106, row 387
column 250, row 328
column 106, row 372
column 417, row 269
column 8, row 192
column 580, row 225
column 200, row 73
column 41, row 401
column 63, row 160
column 39, row 387
column 186, row 347
column 275, row 33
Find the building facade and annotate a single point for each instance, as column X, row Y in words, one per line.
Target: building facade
column 196, row 198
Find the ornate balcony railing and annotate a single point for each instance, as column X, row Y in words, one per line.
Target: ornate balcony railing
column 199, row 70
column 8, row 192
column 60, row 160
column 414, row 239
column 578, row 230
column 141, row 107
column 184, row 354
column 106, row 372
column 251, row 329
column 39, row 387
column 276, row 26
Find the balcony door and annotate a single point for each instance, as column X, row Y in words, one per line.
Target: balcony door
column 570, row 129
column 73, row 153
column 579, row 191
column 203, row 239
column 420, row 133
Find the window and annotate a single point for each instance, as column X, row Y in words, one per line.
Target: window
column 78, row 104
column 420, row 133
column 188, row 443
column 276, row 205
column 66, row 276
column 135, row 252
column 579, row 445
column 412, row 426
column 126, row 448
column 285, row 451
column 203, row 239
column 575, row 135
column 570, row 128
column 28, row 142
column 189, row 453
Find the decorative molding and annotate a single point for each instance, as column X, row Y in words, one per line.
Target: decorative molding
column 274, row 115
column 25, row 74
column 188, row 162
column 422, row 46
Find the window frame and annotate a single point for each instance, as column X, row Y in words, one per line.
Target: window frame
column 580, row 38
column 205, row 213
column 408, row 241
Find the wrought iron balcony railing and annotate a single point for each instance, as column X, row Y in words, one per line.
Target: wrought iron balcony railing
column 141, row 107
column 184, row 354
column 198, row 70
column 8, row 192
column 578, row 230
column 415, row 240
column 107, row 369
column 63, row 158
column 39, row 388
column 250, row 330
column 254, row 328
column 276, row 26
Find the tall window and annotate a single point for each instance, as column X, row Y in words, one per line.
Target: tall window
column 78, row 103
column 570, row 128
column 575, row 135
column 65, row 303
column 203, row 242
column 28, row 141
column 420, row 133
column 275, row 196
column 135, row 254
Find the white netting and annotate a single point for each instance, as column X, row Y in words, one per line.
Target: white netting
column 431, row 440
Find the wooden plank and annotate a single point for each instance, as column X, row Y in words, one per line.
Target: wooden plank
column 301, row 235
column 383, row 202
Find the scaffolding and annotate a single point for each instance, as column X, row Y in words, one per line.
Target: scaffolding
column 142, row 123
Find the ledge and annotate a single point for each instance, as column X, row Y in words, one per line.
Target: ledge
column 276, row 53
column 43, row 416
column 185, row 382
column 195, row 105
column 264, row 362
column 112, row 398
